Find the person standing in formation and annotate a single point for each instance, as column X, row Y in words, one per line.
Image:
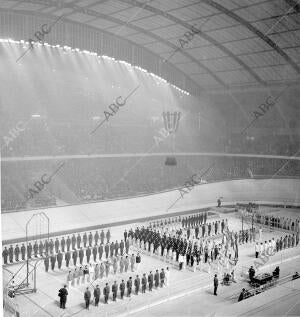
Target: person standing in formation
column 69, row 279
column 122, row 289
column 137, row 283
column 129, row 287
column 132, row 262
column 150, row 281
column 114, row 290
column 17, row 252
column 126, row 263
column 67, row 258
column 162, row 278
column 156, row 279
column 167, row 276
column 46, row 262
column 106, row 291
column 138, row 261
column 144, row 283
column 97, row 293
column 5, row 255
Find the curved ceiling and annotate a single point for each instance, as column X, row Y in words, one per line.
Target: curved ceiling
column 229, row 43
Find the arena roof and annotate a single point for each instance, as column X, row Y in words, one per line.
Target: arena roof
column 229, row 43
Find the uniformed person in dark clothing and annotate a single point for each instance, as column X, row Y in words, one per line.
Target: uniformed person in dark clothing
column 129, row 286
column 46, row 262
column 106, row 248
column 90, row 239
column 162, row 278
column 96, row 238
column 106, row 291
column 150, row 281
column 53, row 260
column 95, row 252
column 81, row 256
column 216, row 283
column 156, row 279
column 35, row 249
column 74, row 257
column 102, row 236
column 73, row 240
column 108, row 236
column 56, row 245
column 144, row 283
column 100, row 251
column 51, row 245
column 59, row 259
column 46, row 246
column 41, row 248
column 114, row 290
column 112, row 248
column 116, row 248
column 122, row 245
column 122, row 289
column 17, row 252
column 251, row 273
column 78, row 240
column 63, row 293
column 29, row 250
column 23, row 251
column 62, row 244
column 87, row 298
column 67, row 258
column 5, row 255
column 125, row 235
column 68, row 243
column 11, row 254
column 88, row 253
column 137, row 283
column 97, row 293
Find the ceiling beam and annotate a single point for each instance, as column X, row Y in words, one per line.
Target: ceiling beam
column 200, row 33
column 51, row 17
column 257, row 32
column 60, row 6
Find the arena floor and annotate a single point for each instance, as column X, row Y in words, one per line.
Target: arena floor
column 189, row 293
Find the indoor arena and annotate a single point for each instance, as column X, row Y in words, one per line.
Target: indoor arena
column 150, row 158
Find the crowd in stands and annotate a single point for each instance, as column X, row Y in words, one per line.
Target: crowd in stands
column 267, row 144
column 72, row 139
column 93, row 179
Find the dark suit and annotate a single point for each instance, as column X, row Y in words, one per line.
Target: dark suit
column 63, row 293
column 216, row 283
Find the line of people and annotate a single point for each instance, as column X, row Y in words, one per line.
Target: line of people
column 93, row 271
column 187, row 221
column 274, row 221
column 102, row 252
column 186, row 250
column 150, row 281
column 39, row 249
column 272, row 246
